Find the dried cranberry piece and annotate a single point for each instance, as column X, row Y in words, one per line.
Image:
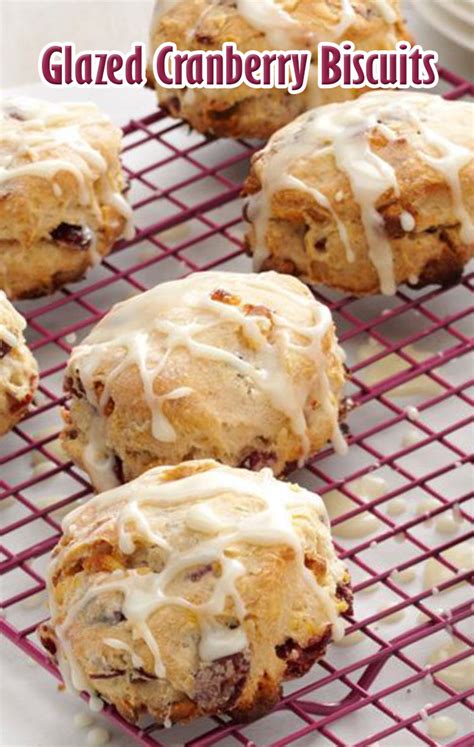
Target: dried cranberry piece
column 74, row 386
column 47, row 639
column 118, row 469
column 4, row 348
column 15, row 114
column 290, row 467
column 220, row 682
column 197, row 574
column 79, row 237
column 116, row 617
column 49, row 645
column 299, row 659
column 258, row 459
column 107, row 675
column 344, row 592
column 204, row 38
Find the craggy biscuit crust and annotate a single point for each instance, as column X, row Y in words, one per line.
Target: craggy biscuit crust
column 225, row 415
column 421, row 223
column 61, row 204
column 18, row 368
column 98, row 634
column 257, row 113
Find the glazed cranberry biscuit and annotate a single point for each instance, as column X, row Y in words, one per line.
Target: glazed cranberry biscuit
column 241, row 368
column 194, row 590
column 18, row 368
column 61, row 194
column 265, row 25
column 368, row 194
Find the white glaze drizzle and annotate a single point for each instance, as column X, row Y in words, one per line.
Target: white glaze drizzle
column 15, row 319
column 291, row 181
column 98, row 460
column 343, row 130
column 282, row 30
column 452, row 160
column 386, row 10
column 140, row 329
column 280, row 27
column 44, row 126
column 270, row 524
column 407, row 221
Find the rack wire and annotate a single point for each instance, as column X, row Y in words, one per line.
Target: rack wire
column 406, row 352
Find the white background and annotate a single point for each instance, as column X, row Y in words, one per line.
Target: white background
column 32, row 711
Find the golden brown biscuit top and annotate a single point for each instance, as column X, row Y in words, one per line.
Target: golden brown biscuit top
column 192, row 516
column 361, row 140
column 288, row 24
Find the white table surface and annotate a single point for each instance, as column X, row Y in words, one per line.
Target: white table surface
column 33, row 713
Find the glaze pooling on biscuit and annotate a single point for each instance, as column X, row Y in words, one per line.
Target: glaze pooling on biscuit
column 346, row 132
column 147, row 330
column 234, row 524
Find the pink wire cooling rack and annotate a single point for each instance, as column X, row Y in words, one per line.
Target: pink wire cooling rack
column 406, row 352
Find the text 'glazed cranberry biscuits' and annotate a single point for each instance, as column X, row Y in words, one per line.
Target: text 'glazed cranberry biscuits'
column 367, row 194
column 259, row 25
column 61, row 194
column 193, row 590
column 18, row 368
column 245, row 369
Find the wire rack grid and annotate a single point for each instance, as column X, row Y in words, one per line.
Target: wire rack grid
column 405, row 484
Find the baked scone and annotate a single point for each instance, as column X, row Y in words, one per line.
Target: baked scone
column 194, row 590
column 241, row 368
column 367, row 194
column 259, row 25
column 61, row 194
column 18, row 368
